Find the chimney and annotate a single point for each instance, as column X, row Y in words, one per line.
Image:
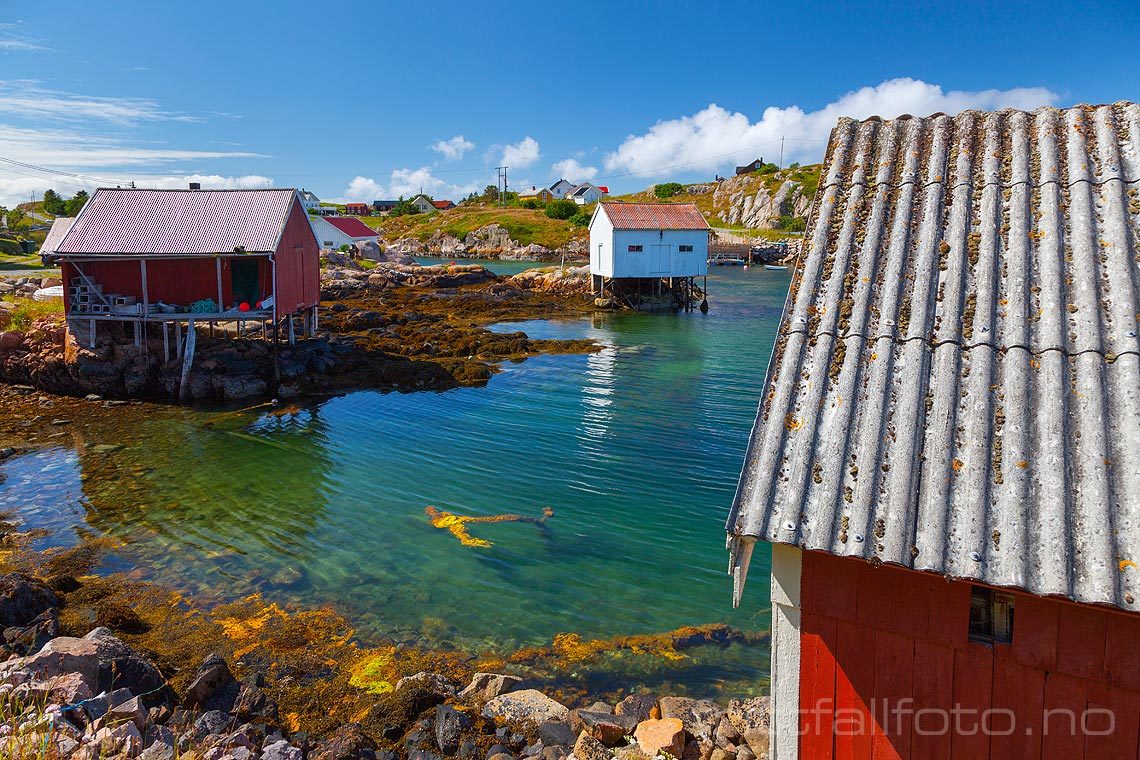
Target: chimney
column 195, row 185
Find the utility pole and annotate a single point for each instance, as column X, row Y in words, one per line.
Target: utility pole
column 502, row 185
column 781, row 152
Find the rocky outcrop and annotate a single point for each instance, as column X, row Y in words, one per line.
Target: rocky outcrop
column 564, row 280
column 758, row 201
column 97, row 697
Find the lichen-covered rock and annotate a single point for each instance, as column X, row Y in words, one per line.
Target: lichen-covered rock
column 752, row 720
column 699, row 716
column 349, row 742
column 526, row 706
column 657, row 736
column 589, row 748
column 638, row 706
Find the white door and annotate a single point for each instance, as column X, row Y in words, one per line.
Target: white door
column 660, row 258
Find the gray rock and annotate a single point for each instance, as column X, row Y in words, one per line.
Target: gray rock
column 23, row 599
column 607, row 728
column 489, row 686
column 746, row 753
column 497, row 750
column 527, row 706
column 212, row 676
column 556, row 733
column 554, row 753
column 698, row 716
column 449, row 727
column 211, row 722
column 349, row 742
column 639, row 706
column 433, row 682
column 162, row 751
column 751, row 719
column 589, row 748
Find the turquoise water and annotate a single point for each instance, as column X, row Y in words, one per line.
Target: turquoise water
column 636, row 449
column 498, row 267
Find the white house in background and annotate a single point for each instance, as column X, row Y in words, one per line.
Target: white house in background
column 308, row 199
column 586, row 193
column 334, row 231
column 423, row 203
column 648, row 240
column 561, row 188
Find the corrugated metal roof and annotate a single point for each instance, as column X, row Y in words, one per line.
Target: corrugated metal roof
column 138, row 221
column 955, row 385
column 59, row 228
column 351, row 226
column 655, row 216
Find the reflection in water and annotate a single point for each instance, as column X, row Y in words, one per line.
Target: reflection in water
column 636, row 448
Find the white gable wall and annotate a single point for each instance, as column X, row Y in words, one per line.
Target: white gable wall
column 330, row 237
column 660, row 254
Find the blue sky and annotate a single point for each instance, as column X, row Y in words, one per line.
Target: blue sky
column 384, row 101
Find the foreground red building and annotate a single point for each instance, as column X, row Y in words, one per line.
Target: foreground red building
column 946, row 459
column 143, row 257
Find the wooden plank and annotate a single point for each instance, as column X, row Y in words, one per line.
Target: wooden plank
column 1018, row 702
column 933, row 700
column 835, row 586
column 1065, row 701
column 973, row 695
column 874, row 594
column 1122, row 651
column 1081, row 638
column 910, row 602
column 817, row 693
column 1035, row 631
column 949, row 613
column 1112, row 723
column 894, row 669
column 854, row 690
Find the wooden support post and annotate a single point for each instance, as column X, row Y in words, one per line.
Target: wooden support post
column 165, row 341
column 178, row 339
column 292, row 333
column 138, row 338
column 221, row 306
column 92, row 333
column 187, row 361
column 146, row 292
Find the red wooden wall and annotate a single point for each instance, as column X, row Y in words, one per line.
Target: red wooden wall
column 298, row 266
column 875, row 637
column 173, row 281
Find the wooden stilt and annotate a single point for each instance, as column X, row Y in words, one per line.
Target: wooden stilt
column 187, row 361
column 165, row 341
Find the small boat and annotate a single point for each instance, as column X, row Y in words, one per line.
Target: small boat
column 721, row 260
column 776, row 267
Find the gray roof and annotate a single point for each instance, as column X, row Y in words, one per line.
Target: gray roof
column 955, row 385
column 59, row 229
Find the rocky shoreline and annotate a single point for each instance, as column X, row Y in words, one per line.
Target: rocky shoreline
column 395, row 326
column 97, row 696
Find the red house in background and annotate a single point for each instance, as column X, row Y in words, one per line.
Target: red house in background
column 179, row 256
column 358, row 209
column 946, row 459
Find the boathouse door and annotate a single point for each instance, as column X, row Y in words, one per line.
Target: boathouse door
column 244, row 281
column 660, row 257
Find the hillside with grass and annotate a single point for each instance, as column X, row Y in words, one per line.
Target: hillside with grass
column 524, row 225
column 769, row 203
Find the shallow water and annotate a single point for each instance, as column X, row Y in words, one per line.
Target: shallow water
column 497, row 266
column 636, row 449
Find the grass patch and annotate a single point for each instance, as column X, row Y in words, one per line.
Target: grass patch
column 524, row 225
column 28, row 311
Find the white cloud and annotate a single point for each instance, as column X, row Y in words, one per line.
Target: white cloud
column 406, row 183
column 18, row 189
column 72, row 149
column 17, row 43
column 522, row 154
column 27, row 98
column 714, row 137
column 572, row 170
column 453, row 148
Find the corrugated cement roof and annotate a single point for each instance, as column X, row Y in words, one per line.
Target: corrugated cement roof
column 955, row 385
column 138, row 221
column 60, row 226
column 655, row 216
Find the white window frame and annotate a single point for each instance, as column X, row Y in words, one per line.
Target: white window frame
column 685, row 248
column 635, row 248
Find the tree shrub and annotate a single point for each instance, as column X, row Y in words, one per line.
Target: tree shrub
column 581, row 219
column 668, row 189
column 561, row 209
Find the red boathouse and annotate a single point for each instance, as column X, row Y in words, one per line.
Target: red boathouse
column 946, row 458
column 143, row 256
